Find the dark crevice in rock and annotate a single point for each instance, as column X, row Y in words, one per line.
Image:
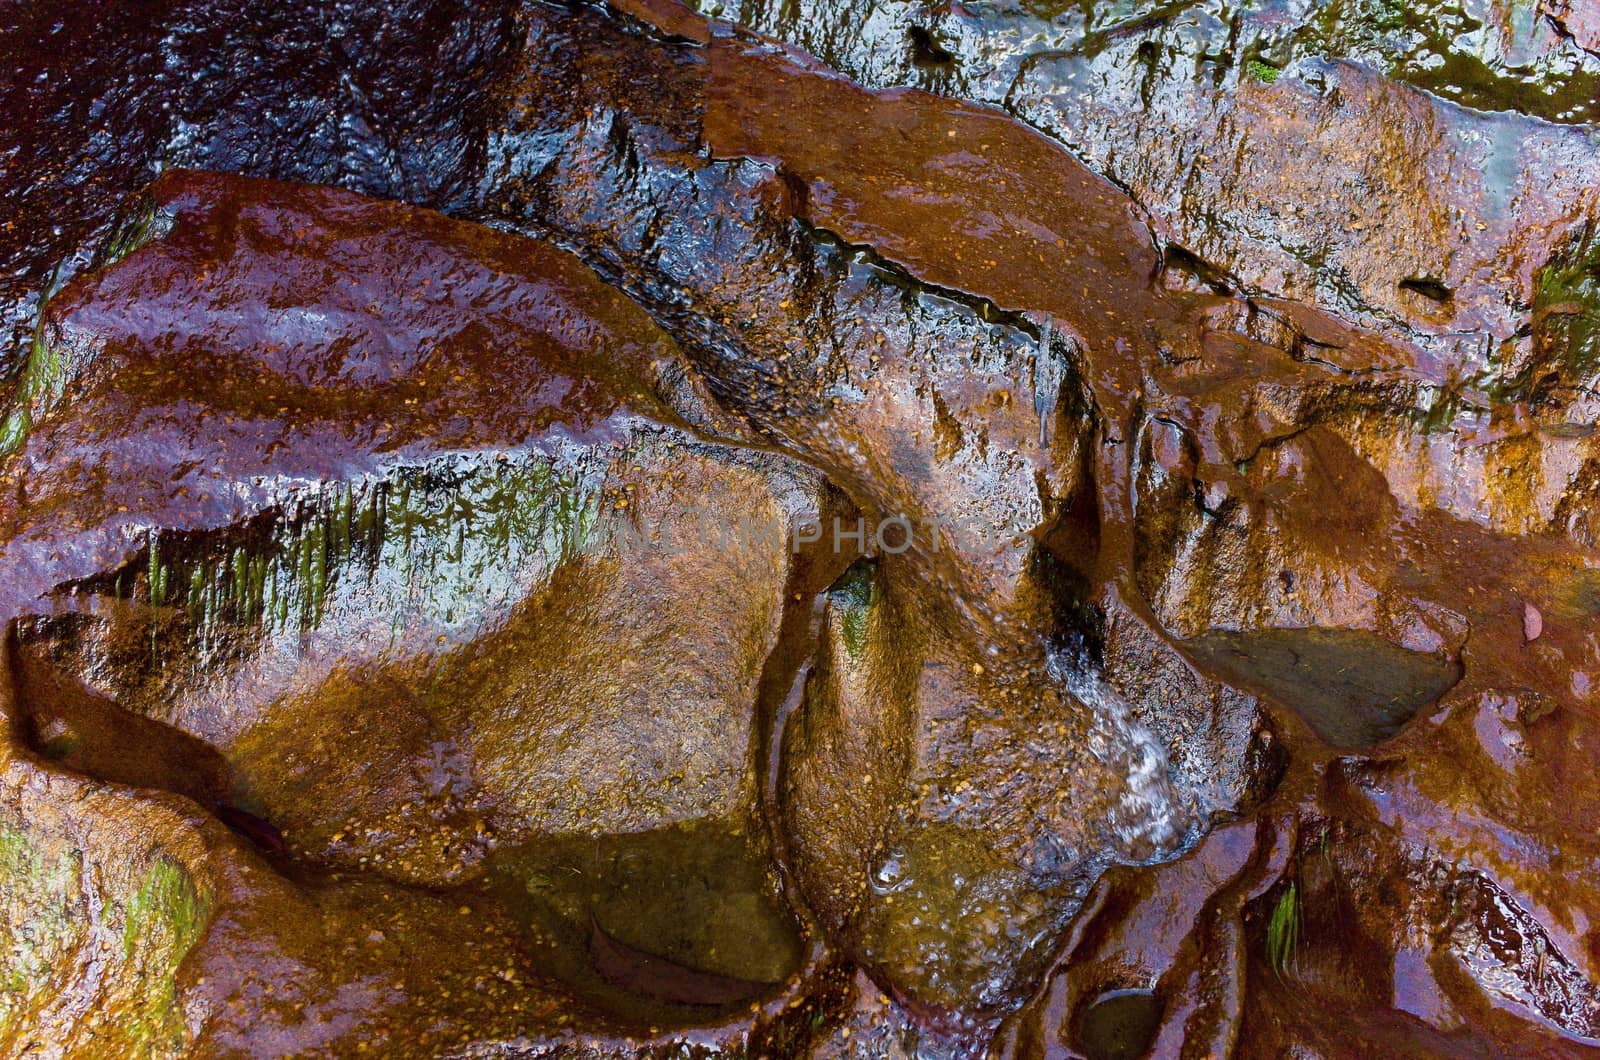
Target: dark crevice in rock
column 925, row 51
column 1431, row 289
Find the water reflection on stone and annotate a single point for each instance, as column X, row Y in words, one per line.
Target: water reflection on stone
column 449, row 606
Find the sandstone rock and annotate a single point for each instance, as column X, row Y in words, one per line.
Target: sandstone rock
column 348, row 654
column 1288, row 144
column 380, row 629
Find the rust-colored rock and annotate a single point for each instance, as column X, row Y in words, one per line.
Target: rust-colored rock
column 412, row 531
column 798, row 569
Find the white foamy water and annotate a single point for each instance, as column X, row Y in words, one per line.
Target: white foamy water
column 1152, row 818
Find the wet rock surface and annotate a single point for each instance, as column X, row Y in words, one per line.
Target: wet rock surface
column 572, row 531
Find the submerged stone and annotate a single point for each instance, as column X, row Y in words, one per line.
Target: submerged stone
column 1354, row 689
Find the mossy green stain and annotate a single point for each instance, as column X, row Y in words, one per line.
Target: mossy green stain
column 166, row 908
column 44, row 380
column 1266, row 73
column 141, row 224
column 59, row 747
column 158, row 572
column 38, row 919
column 1566, row 306
column 14, row 431
column 45, row 374
column 1430, row 45
column 166, row 917
column 1283, row 930
column 855, row 595
column 1445, row 407
column 443, row 530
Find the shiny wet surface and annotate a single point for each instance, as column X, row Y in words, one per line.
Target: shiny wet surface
column 369, row 642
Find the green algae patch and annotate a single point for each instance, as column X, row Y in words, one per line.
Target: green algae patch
column 1566, row 309
column 41, row 923
column 165, row 917
column 1565, row 330
column 48, row 368
column 44, row 379
column 166, row 906
column 1441, row 48
column 1283, row 931
column 141, row 224
column 440, row 539
column 1493, row 55
column 855, row 596
column 1266, row 73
